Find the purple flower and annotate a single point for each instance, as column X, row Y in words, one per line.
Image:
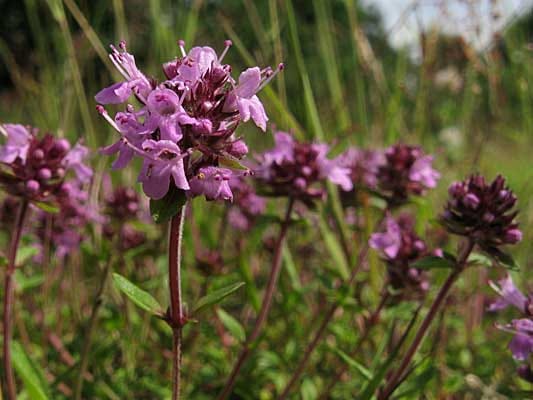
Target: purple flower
column 401, row 246
column 243, row 97
column 167, row 161
column 165, row 108
column 423, row 172
column 74, row 160
column 521, row 345
column 388, row 242
column 213, row 183
column 406, row 171
column 135, row 82
column 296, row 169
column 364, row 166
column 510, row 295
column 187, row 123
column 17, row 144
column 332, row 169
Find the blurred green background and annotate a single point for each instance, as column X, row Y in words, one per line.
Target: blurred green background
column 344, row 83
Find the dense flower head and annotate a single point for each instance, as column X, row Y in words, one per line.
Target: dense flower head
column 296, row 169
column 123, row 206
column 363, row 165
column 406, row 171
column 521, row 345
column 35, row 167
column 483, row 212
column 185, row 128
column 400, row 246
column 247, row 205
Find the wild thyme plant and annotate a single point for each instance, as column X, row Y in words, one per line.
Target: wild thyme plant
column 184, row 130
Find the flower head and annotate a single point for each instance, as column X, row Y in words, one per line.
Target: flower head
column 185, row 128
column 401, row 246
column 35, row 167
column 297, row 169
column 364, row 166
column 483, row 212
column 407, row 171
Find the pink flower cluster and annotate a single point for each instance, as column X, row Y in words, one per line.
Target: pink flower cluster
column 185, row 128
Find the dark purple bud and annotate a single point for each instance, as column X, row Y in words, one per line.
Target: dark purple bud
column 471, row 200
column 62, row 145
column 524, row 371
column 38, row 154
column 32, row 187
column 44, row 174
column 133, row 207
column 306, row 170
column 455, row 189
column 300, row 183
column 513, row 236
column 238, row 149
column 488, row 217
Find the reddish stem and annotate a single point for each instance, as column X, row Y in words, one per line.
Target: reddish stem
column 392, row 383
column 322, row 329
column 265, row 306
column 177, row 318
column 9, row 300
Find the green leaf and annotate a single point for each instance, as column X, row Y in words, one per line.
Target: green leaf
column 25, row 253
column 27, row 282
column 340, row 265
column 137, row 295
column 232, row 325
column 353, row 363
column 164, row 209
column 308, row 390
column 432, row 262
column 505, row 260
column 47, row 207
column 232, row 163
column 479, row 260
column 216, row 296
column 29, row 373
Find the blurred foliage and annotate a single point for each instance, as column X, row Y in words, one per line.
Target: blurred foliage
column 343, row 82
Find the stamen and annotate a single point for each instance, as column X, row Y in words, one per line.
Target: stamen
column 181, row 44
column 118, row 66
column 280, row 67
column 104, row 114
column 227, row 43
column 183, row 95
column 3, row 130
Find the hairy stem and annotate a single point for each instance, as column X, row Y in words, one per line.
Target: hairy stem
column 91, row 326
column 9, row 297
column 265, row 306
column 392, row 383
column 177, row 318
